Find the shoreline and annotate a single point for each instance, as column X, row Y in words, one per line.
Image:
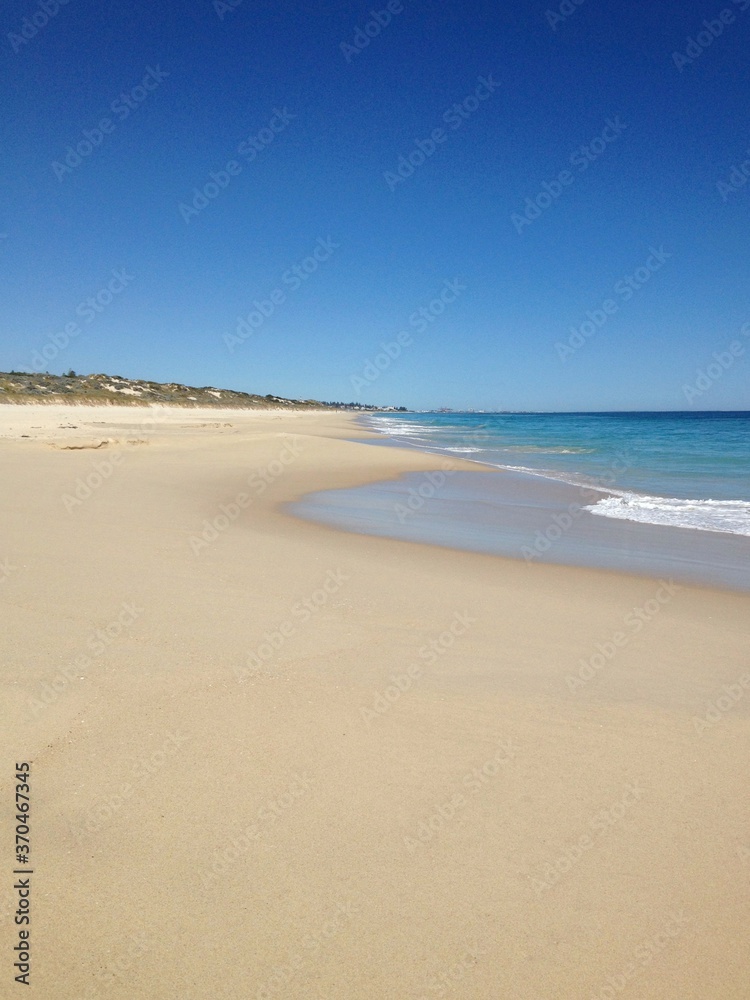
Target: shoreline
column 355, row 762
column 525, row 515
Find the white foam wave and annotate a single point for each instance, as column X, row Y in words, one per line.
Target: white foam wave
column 402, row 428
column 727, row 516
column 724, row 516
column 532, row 449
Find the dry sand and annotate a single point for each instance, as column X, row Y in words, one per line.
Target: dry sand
column 213, row 817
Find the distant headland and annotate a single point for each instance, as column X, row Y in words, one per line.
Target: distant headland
column 26, row 387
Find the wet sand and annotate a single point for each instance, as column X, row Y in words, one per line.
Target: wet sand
column 273, row 759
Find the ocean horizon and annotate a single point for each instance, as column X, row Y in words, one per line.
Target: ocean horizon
column 647, row 492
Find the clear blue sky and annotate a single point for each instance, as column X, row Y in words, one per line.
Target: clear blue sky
column 314, row 129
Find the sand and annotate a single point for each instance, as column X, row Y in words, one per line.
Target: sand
column 271, row 759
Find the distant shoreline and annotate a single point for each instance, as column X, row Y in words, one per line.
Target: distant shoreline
column 356, row 713
column 36, row 387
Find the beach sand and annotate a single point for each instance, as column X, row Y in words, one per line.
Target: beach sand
column 272, row 759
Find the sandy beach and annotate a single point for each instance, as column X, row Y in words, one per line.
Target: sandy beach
column 270, row 759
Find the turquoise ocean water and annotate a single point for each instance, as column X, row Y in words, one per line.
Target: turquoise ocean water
column 653, row 493
column 687, row 470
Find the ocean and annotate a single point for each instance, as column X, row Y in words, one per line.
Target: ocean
column 653, row 493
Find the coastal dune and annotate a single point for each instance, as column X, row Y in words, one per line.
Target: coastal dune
column 271, row 759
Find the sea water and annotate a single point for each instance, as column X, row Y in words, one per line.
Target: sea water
column 654, row 493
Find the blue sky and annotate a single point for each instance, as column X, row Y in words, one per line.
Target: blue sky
column 304, row 128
